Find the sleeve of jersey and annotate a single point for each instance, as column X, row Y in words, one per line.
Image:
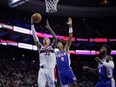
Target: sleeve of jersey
column 110, row 64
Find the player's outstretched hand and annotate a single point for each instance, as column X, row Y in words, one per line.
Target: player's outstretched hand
column 85, row 67
column 69, row 21
column 47, row 24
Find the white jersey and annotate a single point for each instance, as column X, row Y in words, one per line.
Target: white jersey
column 47, row 57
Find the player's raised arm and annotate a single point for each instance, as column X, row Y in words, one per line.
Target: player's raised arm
column 36, row 39
column 69, row 41
column 53, row 34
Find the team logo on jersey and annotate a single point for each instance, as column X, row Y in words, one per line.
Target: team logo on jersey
column 61, row 55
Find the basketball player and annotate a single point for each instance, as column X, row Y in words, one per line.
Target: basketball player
column 66, row 74
column 46, row 56
column 105, row 68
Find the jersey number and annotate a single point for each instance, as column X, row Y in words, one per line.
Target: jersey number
column 47, row 52
column 62, row 58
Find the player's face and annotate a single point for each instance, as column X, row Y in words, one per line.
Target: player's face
column 59, row 45
column 46, row 41
column 103, row 49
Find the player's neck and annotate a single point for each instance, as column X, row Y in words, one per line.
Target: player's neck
column 60, row 49
column 104, row 56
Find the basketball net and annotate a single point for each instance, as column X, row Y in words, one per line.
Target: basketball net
column 51, row 6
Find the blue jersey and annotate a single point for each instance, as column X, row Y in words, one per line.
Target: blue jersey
column 105, row 72
column 63, row 60
column 105, row 76
column 65, row 72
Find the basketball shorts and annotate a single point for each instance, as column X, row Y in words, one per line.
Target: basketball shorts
column 67, row 76
column 46, row 75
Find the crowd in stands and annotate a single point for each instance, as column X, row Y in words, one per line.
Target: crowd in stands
column 16, row 73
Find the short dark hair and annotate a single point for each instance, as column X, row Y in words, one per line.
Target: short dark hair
column 62, row 41
column 108, row 49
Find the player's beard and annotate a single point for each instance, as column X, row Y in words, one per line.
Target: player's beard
column 101, row 54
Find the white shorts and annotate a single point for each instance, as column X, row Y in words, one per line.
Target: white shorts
column 46, row 75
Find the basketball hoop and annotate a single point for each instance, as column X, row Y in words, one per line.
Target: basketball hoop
column 51, row 6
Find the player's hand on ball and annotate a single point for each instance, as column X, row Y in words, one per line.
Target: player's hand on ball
column 85, row 67
column 69, row 21
column 36, row 18
column 47, row 24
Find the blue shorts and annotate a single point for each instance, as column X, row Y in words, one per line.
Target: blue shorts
column 67, row 76
column 107, row 83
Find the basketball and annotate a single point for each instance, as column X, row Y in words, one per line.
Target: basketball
column 36, row 17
